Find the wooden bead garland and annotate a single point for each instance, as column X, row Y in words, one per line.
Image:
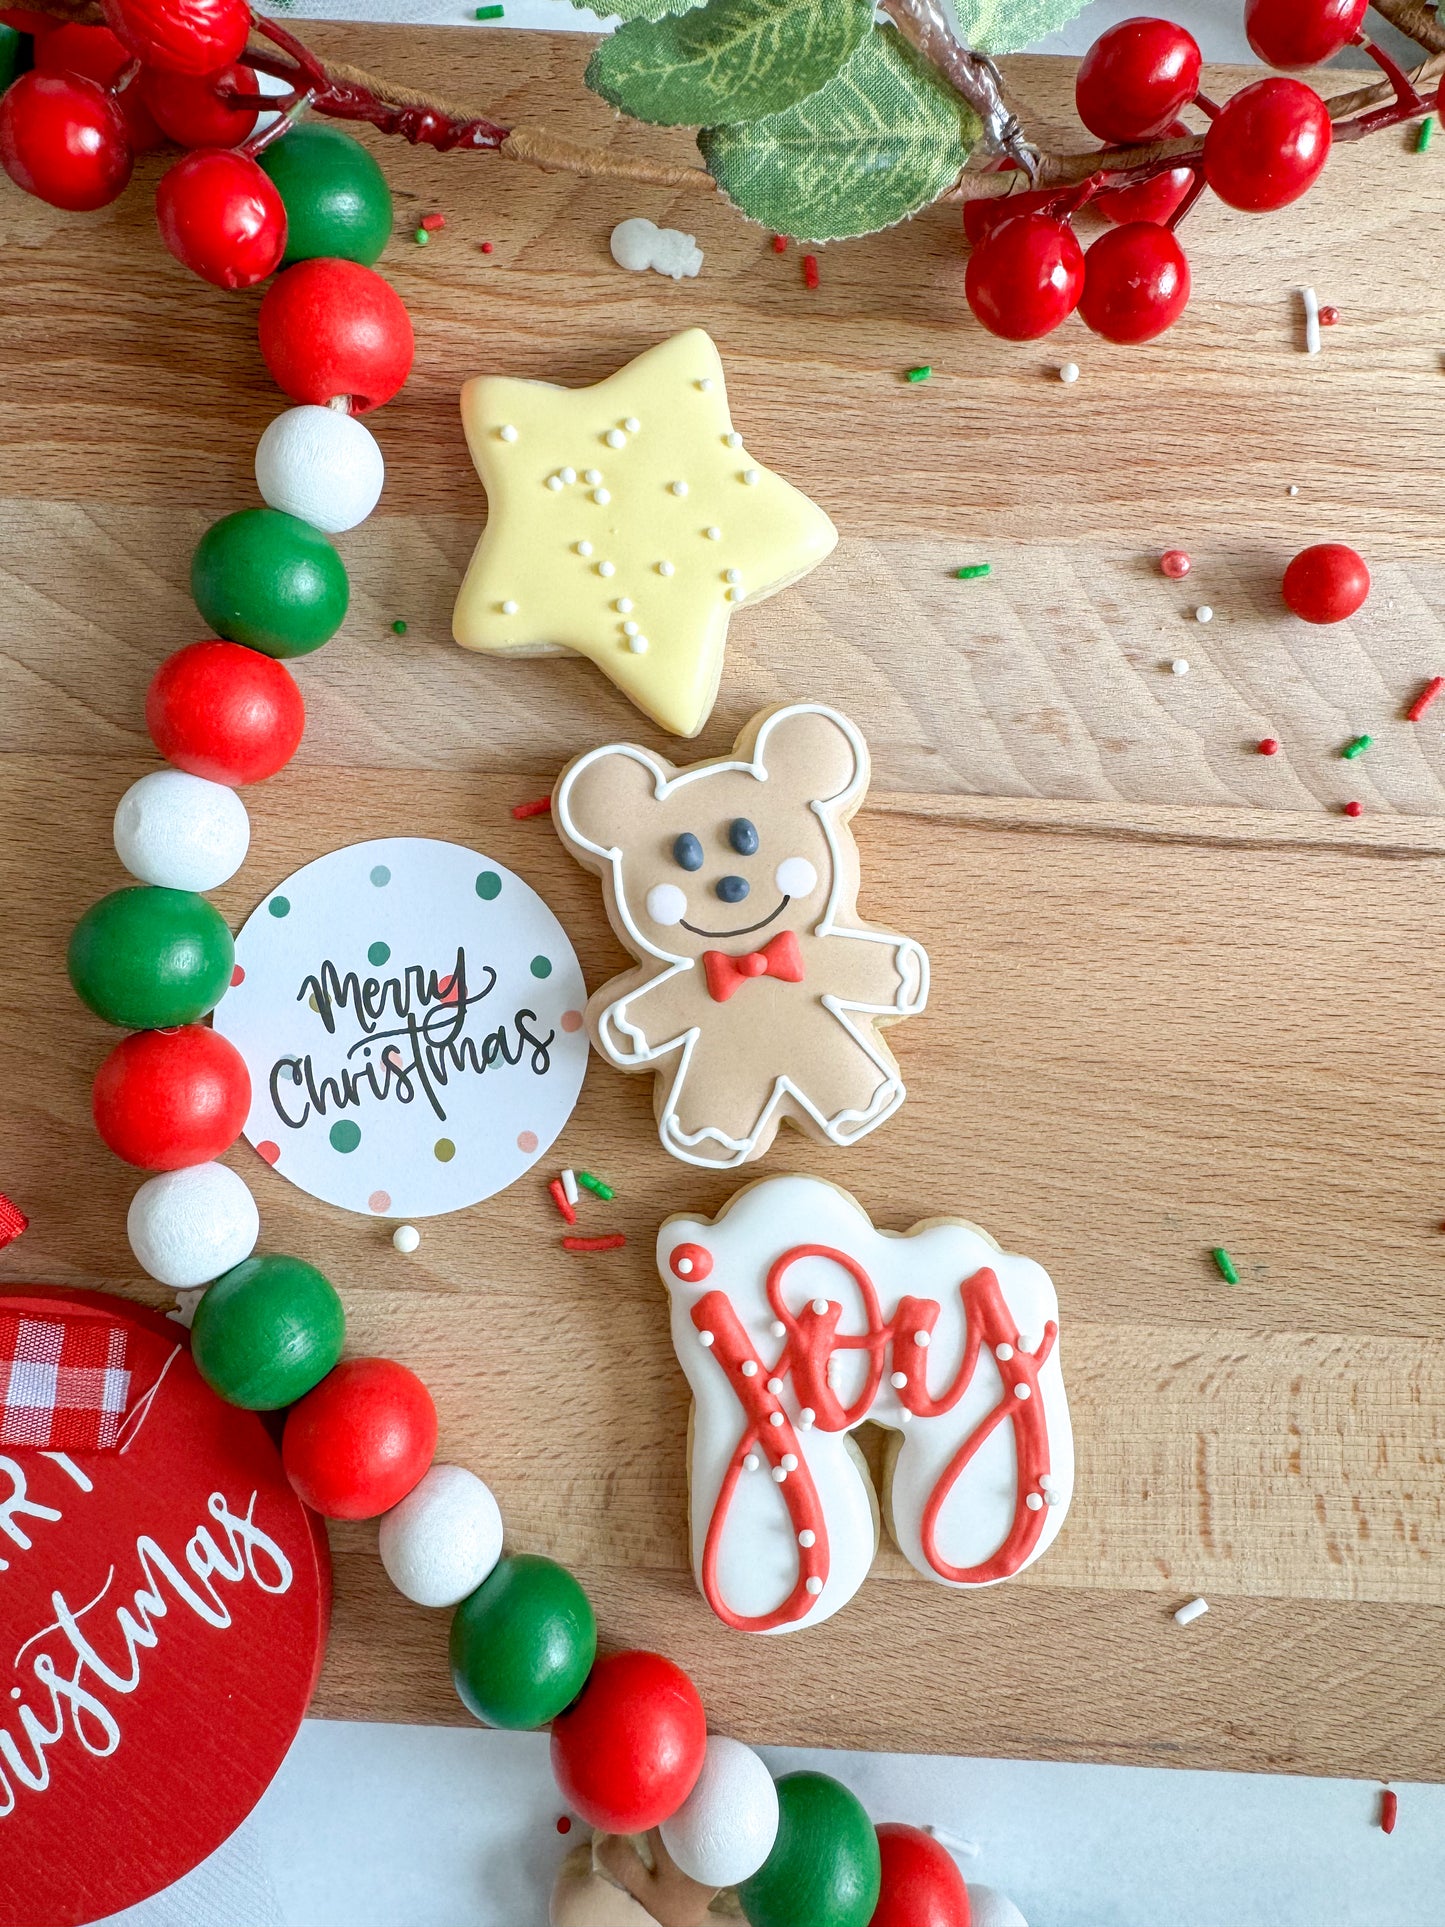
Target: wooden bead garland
column 186, row 1227
column 443, row 1539
column 181, row 832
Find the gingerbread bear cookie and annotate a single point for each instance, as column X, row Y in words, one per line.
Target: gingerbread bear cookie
column 759, row 994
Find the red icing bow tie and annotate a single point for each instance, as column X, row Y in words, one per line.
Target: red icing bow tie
column 780, row 958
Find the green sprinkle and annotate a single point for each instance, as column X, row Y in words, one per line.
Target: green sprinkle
column 596, row 1186
column 489, row 13
column 974, row 571
column 421, row 237
column 1225, row 1265
column 398, row 628
column 1356, row 748
column 918, row 374
column 1422, row 139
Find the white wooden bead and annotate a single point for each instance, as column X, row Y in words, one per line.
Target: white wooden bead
column 181, row 832
column 440, row 1543
column 989, row 1908
column 725, row 1829
column 187, row 1227
column 321, row 464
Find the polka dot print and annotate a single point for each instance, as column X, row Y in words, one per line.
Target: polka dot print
column 345, row 1135
column 238, row 976
column 378, row 954
column 381, row 876
column 541, row 966
column 279, row 906
column 571, row 1021
column 527, row 1141
column 489, row 886
column 379, row 1201
column 267, row 1150
column 444, row 1150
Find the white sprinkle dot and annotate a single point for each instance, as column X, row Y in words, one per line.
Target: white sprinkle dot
column 679, row 488
column 606, row 568
column 751, row 1462
column 790, row 1461
column 601, row 497
column 703, row 1338
column 898, row 1380
column 569, row 476
column 820, row 1305
column 1005, row 1352
column 638, row 645
column 1054, row 1498
column 1034, row 1502
column 1046, row 1482
column 1069, row 373
column 665, row 568
column 615, row 438
column 780, row 1474
column 405, row 1239
column 775, row 1418
column 734, row 439
column 683, row 1267
column 806, row 1417
column 1179, row 666
column 592, row 476
column 923, row 1340
column 906, row 1416
column 1196, row 1609
column 509, row 608
column 554, row 482
column 778, row 1328
column 1293, row 489
column 732, row 575
column 814, row 1586
column 705, row 385
column 1021, row 1390
column 750, row 477
column 750, row 1368
column 713, row 534
column 632, row 424
column 623, row 605
column 631, row 628
column 734, row 595
column 807, row 1538
column 775, row 1385
column 1204, row 613
column 584, row 548
column 508, row 433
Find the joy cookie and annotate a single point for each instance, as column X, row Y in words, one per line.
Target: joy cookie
column 795, row 1319
column 625, row 523
column 758, row 995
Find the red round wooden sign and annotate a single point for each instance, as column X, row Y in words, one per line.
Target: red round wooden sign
column 163, row 1613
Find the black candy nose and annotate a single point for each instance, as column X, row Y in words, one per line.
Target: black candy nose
column 731, row 889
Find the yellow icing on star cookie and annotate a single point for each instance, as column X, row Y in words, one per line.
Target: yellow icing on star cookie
column 625, row 523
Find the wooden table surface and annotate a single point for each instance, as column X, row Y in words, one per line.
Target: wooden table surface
column 1179, row 1000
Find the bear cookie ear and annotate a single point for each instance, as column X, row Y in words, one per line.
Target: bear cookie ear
column 601, row 796
column 812, row 755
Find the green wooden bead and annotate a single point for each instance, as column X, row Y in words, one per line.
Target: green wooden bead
column 149, row 958
column 338, row 204
column 14, row 55
column 523, row 1643
column 271, row 581
column 267, row 1331
column 824, row 1869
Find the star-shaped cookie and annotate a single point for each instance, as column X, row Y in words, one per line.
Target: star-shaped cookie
column 625, row 523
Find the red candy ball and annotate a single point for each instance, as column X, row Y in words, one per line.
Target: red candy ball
column 63, row 139
column 186, row 36
column 628, row 1751
column 168, row 1098
column 331, row 328
column 1326, row 583
column 220, row 710
column 1175, row 564
column 187, row 107
column 922, row 1886
column 221, row 217
column 355, row 1446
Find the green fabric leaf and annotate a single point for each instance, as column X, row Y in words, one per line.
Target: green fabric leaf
column 729, row 61
column 1008, row 26
column 880, row 141
column 635, row 9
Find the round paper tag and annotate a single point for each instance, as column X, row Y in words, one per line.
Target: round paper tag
column 411, row 1016
column 163, row 1607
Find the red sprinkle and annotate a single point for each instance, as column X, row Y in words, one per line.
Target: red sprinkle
column 432, row 222
column 1268, row 746
column 1353, row 809
column 1423, row 701
column 810, row 270
column 780, row 244
column 486, row 247
column 1329, row 317
column 564, row 1825
column 1175, row 564
column 559, row 1198
column 542, row 807
column 12, row 1221
column 1389, row 1808
column 614, row 1243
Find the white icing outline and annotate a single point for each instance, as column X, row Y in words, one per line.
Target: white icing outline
column 847, row 1126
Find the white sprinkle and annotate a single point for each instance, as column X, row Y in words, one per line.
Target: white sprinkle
column 615, row 438
column 780, row 1474
column 775, row 1385
column 601, row 497
column 775, row 1418
column 632, row 424
column 898, row 1380
column 1196, row 1609
column 1312, row 320
column 405, row 1239
column 623, row 606
column 638, row 645
column 703, row 1338
column 1021, row 1390
column 584, row 548
column 592, row 476
column 665, row 568
column 750, row 1368
column 569, row 1192
column 814, row 1586
column 1204, row 613
column 509, row 608
column 1179, row 666
column 679, row 488
column 705, row 385
column 751, row 1462
column 732, row 575
column 606, row 568
column 790, row 1461
column 1046, row 1482
column 631, row 628
column 1034, row 1502
column 969, row 1848
column 820, row 1305
column 807, row 1538
column 778, row 1328
column 923, row 1340
column 1069, row 373
column 508, row 433
column 569, row 476
column 806, row 1417
column 713, row 534
column 734, row 595
column 1054, row 1498
column 906, row 1416
column 1005, row 1352
column 750, row 477
column 554, row 482
column 1293, row 489
column 733, row 440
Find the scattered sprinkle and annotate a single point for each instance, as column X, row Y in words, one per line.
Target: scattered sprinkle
column 780, row 244
column 1329, row 317
column 489, row 13
column 1389, row 1810
column 1356, row 747
column 614, row 1243
column 1312, row 320
column 542, row 807
column 421, row 237
column 810, row 270
column 1353, row 809
column 974, row 571
column 560, row 1199
column 1423, row 701
column 569, row 1185
column 1422, row 139
column 1268, row 746
column 969, row 1848
column 398, row 628
column 564, row 1825
column 486, row 248
column 1293, row 489
column 921, row 373
column 1204, row 613
column 1179, row 666
column 405, row 1239
column 1069, row 373
column 1175, row 564
column 432, row 223
column 1196, row 1609
column 596, row 1186
column 1224, row 1265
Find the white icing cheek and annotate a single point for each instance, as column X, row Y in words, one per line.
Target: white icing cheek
column 666, row 903
column 796, row 877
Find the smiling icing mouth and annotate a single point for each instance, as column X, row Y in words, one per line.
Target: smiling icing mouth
column 747, row 928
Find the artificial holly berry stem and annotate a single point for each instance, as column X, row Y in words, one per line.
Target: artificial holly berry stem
column 1405, row 92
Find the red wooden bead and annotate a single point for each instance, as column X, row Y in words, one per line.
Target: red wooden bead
column 330, row 328
column 219, row 710
column 355, row 1446
column 222, row 217
column 922, row 1886
column 628, row 1751
column 1326, row 583
column 168, row 1098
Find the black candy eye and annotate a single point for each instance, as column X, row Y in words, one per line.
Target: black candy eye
column 743, row 836
column 687, row 851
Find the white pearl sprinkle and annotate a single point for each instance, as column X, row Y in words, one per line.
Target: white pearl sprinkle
column 806, row 1417
column 807, row 1538
column 1204, row 613
column 750, row 1368
column 638, row 645
column 508, row 433
column 405, row 1239
column 679, row 488
column 631, row 424
column 1046, row 1482
column 664, row 568
column 1021, row 1390
column 705, row 385
column 584, row 548
column 751, row 1462
column 615, row 438
column 732, row 575
column 906, row 1416
column 623, row 605
column 814, row 1586
column 790, row 1461
column 733, row 439
column 569, row 476
column 601, row 497
column 683, row 1267
column 703, row 1338
column 509, row 608
column 734, row 595
column 592, row 476
column 1069, row 372
column 1005, row 1352
column 780, row 1474
column 1054, row 1498
column 1293, row 489
column 1034, row 1502
column 778, row 1328
column 923, row 1340
column 713, row 534
column 898, row 1380
column 631, row 628
column 820, row 1305
column 750, row 477
column 1179, row 666
column 775, row 1418
column 606, row 568
column 554, row 482
column 775, row 1385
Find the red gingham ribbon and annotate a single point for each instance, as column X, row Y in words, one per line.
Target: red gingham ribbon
column 63, row 1382
column 12, row 1221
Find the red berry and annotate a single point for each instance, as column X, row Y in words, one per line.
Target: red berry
column 921, row 1884
column 356, row 1445
column 1268, row 146
column 1136, row 283
column 628, row 1751
column 1175, row 564
column 62, row 138
column 186, row 36
column 1135, row 78
column 331, row 328
column 225, row 712
column 1301, row 33
column 982, row 217
column 168, row 1098
column 1326, row 583
column 222, row 218
column 1152, row 200
column 1025, row 277
column 96, row 53
column 187, row 107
